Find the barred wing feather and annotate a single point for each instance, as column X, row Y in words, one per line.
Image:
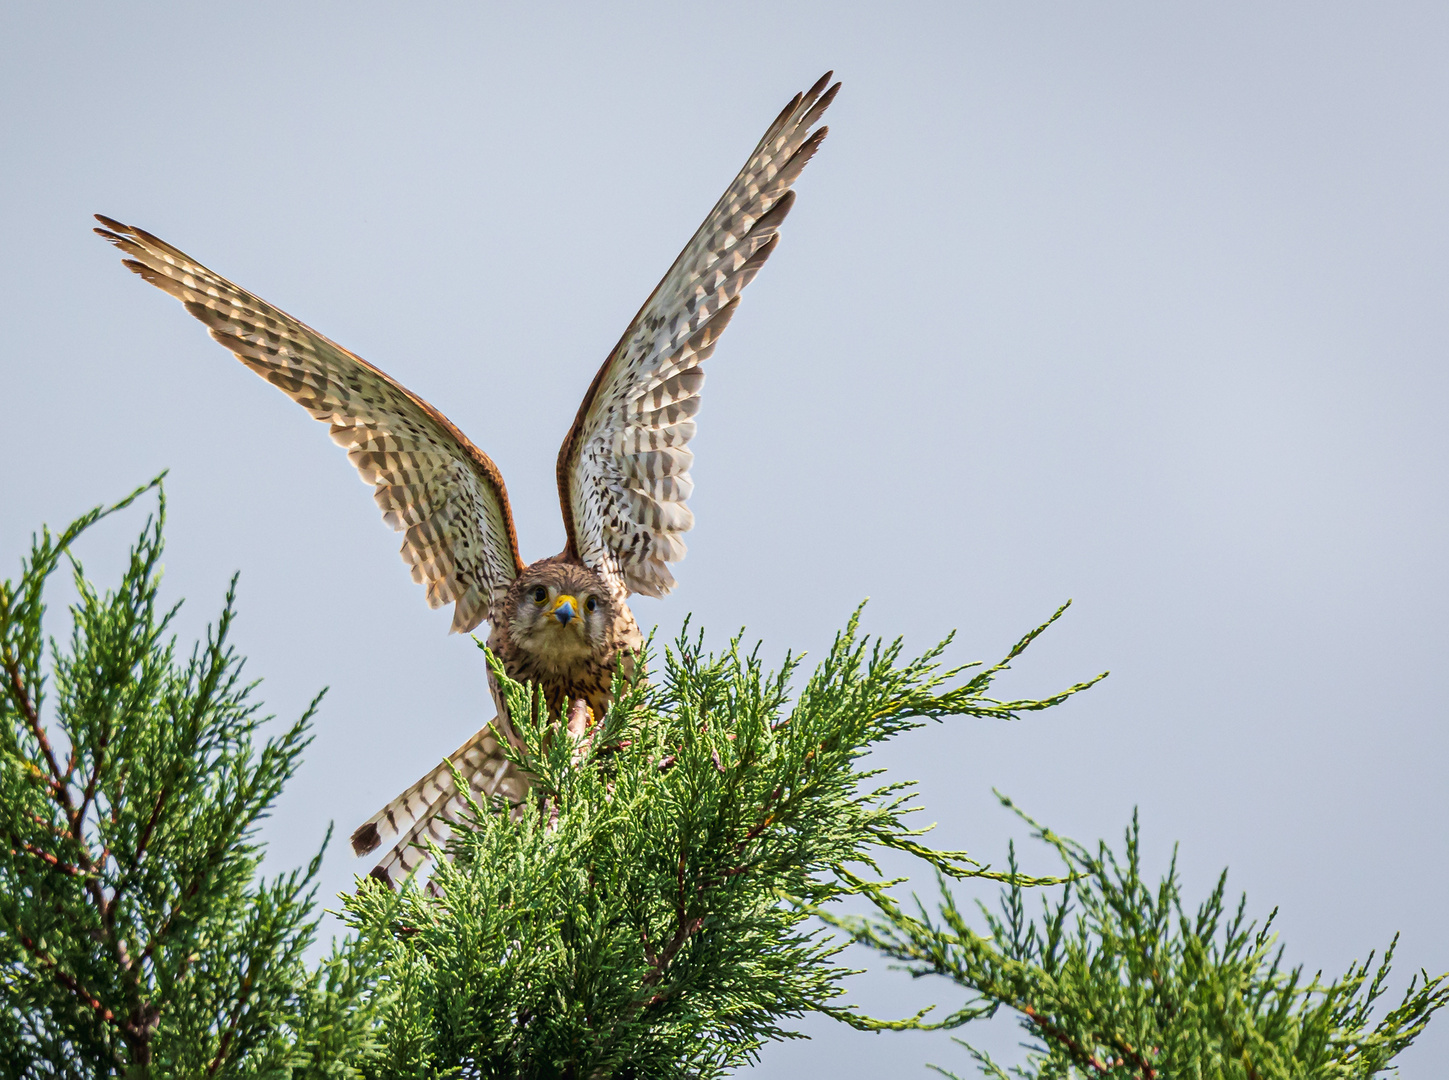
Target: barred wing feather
column 431, row 483
column 623, row 470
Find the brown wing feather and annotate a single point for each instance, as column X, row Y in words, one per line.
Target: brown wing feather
column 623, row 469
column 429, row 480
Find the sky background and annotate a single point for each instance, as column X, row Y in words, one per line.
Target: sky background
column 1137, row 304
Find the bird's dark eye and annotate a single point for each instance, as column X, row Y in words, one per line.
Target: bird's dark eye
column 540, row 594
column 592, row 604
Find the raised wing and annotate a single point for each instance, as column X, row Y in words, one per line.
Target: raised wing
column 623, row 470
column 430, row 481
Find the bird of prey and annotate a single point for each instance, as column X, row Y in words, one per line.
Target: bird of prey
column 562, row 623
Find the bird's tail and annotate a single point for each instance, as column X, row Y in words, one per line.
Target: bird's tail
column 428, row 809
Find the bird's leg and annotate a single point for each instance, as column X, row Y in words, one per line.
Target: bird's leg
column 580, row 718
column 581, row 727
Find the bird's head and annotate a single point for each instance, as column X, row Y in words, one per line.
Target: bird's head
column 559, row 610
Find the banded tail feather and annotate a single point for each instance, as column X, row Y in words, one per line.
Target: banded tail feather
column 428, row 809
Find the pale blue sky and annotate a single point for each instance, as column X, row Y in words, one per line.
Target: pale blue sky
column 1138, row 304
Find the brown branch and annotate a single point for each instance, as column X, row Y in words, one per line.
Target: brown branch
column 32, row 718
column 51, row 860
column 90, row 792
column 650, row 955
column 108, row 911
column 59, row 785
column 685, row 928
column 1052, row 1031
column 136, row 1029
column 752, row 833
column 1085, row 1057
column 85, row 996
column 683, row 934
column 165, row 926
column 151, row 823
column 68, row 981
column 662, row 960
column 230, row 1033
column 764, row 822
column 1136, row 1060
column 680, row 902
column 48, row 825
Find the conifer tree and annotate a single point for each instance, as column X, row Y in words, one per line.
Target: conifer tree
column 136, row 937
column 1121, row 979
column 647, row 912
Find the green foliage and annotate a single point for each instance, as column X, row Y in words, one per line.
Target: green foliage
column 135, row 935
column 1119, row 979
column 646, row 916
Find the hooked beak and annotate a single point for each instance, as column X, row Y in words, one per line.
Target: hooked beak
column 565, row 608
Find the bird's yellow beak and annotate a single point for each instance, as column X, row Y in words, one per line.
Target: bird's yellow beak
column 565, row 609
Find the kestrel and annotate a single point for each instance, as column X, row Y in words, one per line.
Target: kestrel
column 562, row 622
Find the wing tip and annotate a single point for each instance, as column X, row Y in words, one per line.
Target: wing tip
column 771, row 219
column 820, row 84
column 752, row 267
column 782, row 119
column 817, row 100
column 151, row 274
column 365, row 839
column 809, row 146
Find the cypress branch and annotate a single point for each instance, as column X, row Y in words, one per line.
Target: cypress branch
column 646, row 914
column 1118, row 978
column 138, row 939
